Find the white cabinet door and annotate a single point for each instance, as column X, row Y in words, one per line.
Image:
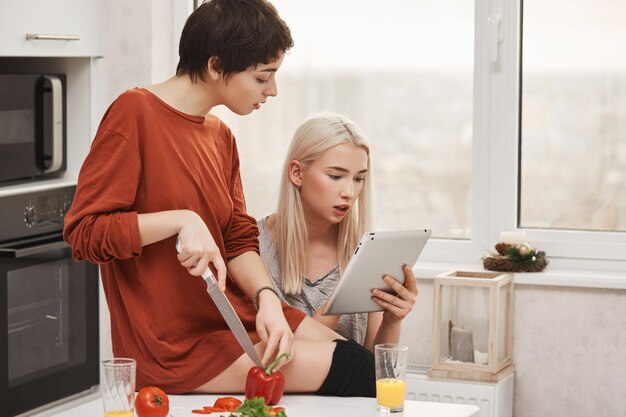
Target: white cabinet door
column 68, row 28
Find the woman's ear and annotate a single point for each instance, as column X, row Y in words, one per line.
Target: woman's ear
column 295, row 173
column 212, row 68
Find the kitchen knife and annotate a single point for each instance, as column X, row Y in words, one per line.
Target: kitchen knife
column 229, row 314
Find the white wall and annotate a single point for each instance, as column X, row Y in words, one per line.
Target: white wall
column 128, row 47
column 570, row 352
column 569, row 343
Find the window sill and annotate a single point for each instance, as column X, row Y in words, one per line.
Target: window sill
column 552, row 276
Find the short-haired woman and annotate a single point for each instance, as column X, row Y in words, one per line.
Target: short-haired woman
column 161, row 168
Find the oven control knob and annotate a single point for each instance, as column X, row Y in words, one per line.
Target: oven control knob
column 29, row 215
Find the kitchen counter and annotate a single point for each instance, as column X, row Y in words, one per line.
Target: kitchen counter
column 299, row 406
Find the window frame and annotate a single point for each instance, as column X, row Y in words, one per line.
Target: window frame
column 496, row 145
column 496, row 153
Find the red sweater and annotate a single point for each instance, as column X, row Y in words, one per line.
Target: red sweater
column 149, row 157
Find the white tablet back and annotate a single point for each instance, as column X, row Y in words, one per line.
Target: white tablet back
column 378, row 254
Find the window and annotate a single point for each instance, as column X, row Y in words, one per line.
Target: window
column 402, row 70
column 573, row 124
column 474, row 128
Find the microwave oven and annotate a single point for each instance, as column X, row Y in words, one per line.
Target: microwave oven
column 32, row 126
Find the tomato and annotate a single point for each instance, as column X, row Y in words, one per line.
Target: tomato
column 227, row 403
column 209, row 410
column 222, row 405
column 152, row 402
column 275, row 410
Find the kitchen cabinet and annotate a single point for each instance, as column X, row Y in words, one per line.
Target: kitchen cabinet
column 60, row 28
column 74, row 48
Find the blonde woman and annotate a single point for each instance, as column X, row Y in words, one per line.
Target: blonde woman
column 324, row 207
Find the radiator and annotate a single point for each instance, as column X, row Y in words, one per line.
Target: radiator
column 493, row 399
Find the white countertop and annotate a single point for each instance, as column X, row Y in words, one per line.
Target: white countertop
column 298, row 406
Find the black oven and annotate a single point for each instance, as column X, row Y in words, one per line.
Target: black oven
column 32, row 126
column 49, row 343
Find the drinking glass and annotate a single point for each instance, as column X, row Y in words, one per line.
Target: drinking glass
column 118, row 387
column 391, row 359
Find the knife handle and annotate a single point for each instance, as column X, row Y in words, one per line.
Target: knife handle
column 207, row 274
column 209, row 277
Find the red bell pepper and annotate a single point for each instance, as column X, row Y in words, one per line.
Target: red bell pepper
column 263, row 383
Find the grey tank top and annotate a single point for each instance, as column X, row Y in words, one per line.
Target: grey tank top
column 314, row 294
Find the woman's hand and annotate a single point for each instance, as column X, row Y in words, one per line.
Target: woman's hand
column 274, row 329
column 198, row 248
column 398, row 306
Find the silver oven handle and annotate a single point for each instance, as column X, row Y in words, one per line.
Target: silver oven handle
column 32, row 250
column 57, row 123
column 40, row 36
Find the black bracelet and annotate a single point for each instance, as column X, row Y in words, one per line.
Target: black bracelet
column 255, row 300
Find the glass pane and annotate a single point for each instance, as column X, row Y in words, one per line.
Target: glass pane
column 38, row 298
column 573, row 124
column 404, row 72
column 465, row 324
column 46, row 327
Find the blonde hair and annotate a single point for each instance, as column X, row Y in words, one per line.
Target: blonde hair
column 312, row 138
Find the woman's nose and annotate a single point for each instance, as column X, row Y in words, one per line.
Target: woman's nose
column 272, row 88
column 347, row 191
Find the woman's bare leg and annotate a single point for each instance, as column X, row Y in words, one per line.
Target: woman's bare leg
column 312, row 330
column 306, row 372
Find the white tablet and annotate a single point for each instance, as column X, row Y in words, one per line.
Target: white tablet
column 377, row 254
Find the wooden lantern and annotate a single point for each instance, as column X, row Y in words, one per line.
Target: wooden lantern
column 473, row 326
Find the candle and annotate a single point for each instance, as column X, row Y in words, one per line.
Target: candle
column 462, row 343
column 481, row 358
column 513, row 237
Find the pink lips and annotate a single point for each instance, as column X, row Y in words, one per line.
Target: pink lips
column 342, row 209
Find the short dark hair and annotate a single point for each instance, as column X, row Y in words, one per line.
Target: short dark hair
column 239, row 34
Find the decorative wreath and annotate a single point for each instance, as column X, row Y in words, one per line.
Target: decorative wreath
column 515, row 258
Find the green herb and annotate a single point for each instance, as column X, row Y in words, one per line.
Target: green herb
column 256, row 408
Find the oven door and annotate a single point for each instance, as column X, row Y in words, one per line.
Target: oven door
column 49, row 318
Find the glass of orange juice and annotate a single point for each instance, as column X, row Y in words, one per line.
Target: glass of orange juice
column 391, row 360
column 118, row 387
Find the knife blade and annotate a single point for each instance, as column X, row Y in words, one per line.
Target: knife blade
column 228, row 313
